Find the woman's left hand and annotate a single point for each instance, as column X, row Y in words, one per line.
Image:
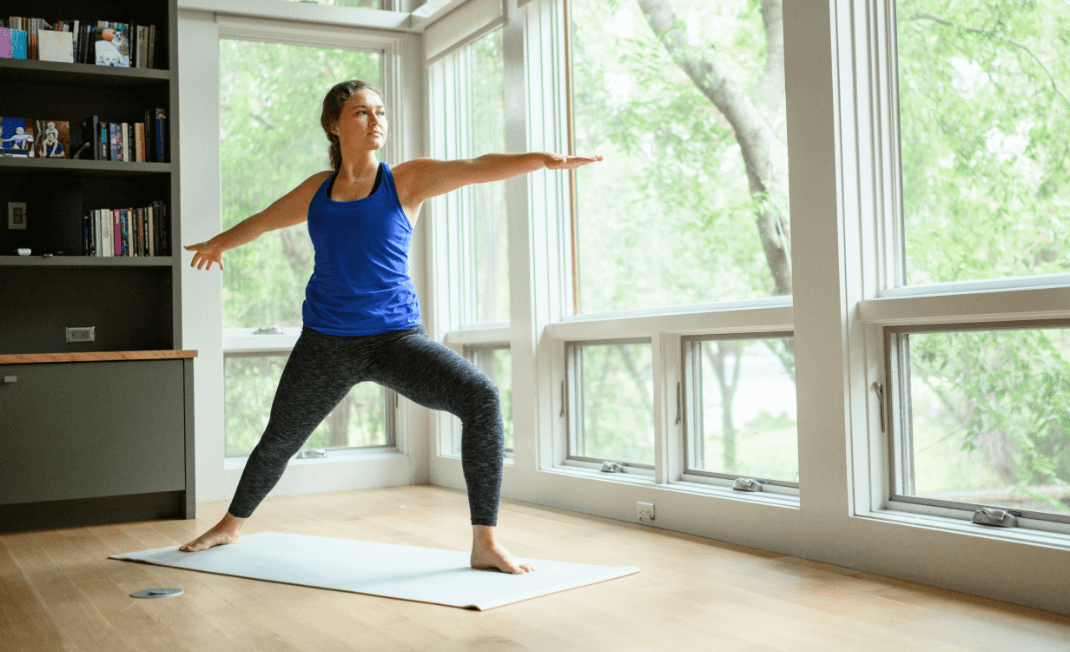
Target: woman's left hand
column 566, row 162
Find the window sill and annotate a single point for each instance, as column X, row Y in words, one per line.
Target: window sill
column 595, row 474
column 727, row 492
column 508, row 461
column 680, row 486
column 961, row 526
column 337, row 457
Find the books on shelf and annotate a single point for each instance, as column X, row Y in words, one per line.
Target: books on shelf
column 127, row 232
column 137, row 142
column 144, row 141
column 105, row 43
column 12, row 43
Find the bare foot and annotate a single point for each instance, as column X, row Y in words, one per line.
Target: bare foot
column 225, row 531
column 487, row 553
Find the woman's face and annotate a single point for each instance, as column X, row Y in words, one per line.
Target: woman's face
column 362, row 122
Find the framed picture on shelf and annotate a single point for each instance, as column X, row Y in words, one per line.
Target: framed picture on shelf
column 111, row 47
column 16, row 137
column 53, row 138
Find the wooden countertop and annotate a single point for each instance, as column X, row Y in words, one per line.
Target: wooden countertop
column 94, row 356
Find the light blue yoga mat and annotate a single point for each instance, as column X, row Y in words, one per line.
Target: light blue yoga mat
column 393, row 571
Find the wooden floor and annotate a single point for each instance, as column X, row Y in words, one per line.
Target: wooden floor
column 58, row 591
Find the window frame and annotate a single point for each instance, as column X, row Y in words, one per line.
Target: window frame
column 899, row 420
column 690, row 398
column 870, row 139
column 572, row 407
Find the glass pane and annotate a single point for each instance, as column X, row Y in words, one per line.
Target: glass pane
column 367, row 4
column 986, row 182
column 249, row 384
column 747, row 415
column 670, row 217
column 271, row 96
column 991, row 417
column 616, row 403
column 490, row 230
column 497, row 364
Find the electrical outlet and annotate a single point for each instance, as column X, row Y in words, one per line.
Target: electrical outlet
column 84, row 334
column 644, row 511
column 16, row 215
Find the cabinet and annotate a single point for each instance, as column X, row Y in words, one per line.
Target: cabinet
column 91, row 431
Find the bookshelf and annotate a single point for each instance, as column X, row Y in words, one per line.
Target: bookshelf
column 93, row 431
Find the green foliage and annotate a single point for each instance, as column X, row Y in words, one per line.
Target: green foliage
column 616, row 402
column 667, row 218
column 1004, row 395
column 986, row 160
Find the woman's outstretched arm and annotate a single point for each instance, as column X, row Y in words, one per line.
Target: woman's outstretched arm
column 431, row 177
column 288, row 210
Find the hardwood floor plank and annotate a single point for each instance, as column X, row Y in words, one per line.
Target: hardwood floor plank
column 58, row 591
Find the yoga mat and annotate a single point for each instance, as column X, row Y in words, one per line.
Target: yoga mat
column 407, row 572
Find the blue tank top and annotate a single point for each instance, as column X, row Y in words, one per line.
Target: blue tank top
column 360, row 284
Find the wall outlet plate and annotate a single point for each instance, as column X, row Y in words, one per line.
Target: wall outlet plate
column 16, row 215
column 82, row 334
column 644, row 511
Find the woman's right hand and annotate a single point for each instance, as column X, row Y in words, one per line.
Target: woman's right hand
column 207, row 254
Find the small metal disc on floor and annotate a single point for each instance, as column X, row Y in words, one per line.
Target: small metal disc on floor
column 155, row 593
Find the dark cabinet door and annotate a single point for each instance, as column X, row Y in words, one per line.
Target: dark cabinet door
column 91, row 429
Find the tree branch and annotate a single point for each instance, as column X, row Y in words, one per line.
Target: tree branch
column 763, row 153
column 977, row 30
column 770, row 88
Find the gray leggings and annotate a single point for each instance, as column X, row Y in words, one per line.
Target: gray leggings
column 323, row 368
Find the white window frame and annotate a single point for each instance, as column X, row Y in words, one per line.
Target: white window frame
column 869, row 95
column 689, row 403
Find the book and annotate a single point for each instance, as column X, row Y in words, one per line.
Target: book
column 152, row 46
column 139, row 140
column 124, row 141
column 12, row 43
column 55, row 46
column 54, row 138
column 150, row 137
column 113, row 142
column 152, row 230
column 143, row 46
column 160, row 130
column 17, row 137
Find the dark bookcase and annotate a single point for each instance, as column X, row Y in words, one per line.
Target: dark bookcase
column 91, row 431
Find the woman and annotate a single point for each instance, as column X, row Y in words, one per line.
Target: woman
column 361, row 315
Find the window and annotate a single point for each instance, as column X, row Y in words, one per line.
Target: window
column 271, row 96
column 739, row 408
column 983, row 417
column 611, row 403
column 968, row 190
column 690, row 204
column 984, row 118
column 250, row 380
column 468, row 85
